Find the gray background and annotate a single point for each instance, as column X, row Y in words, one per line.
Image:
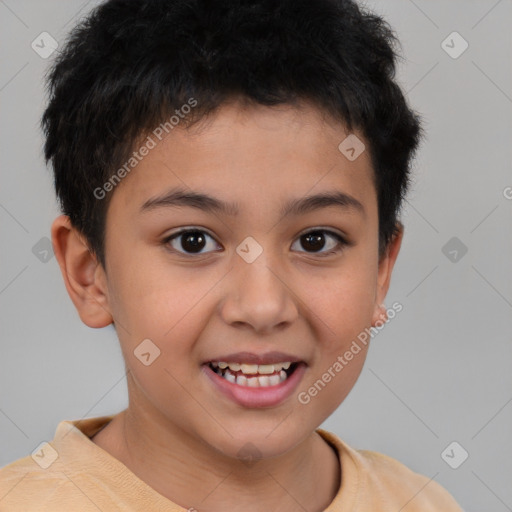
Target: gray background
column 439, row 372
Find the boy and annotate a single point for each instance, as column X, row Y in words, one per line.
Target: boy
column 230, row 176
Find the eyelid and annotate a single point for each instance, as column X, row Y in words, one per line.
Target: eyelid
column 341, row 239
column 330, row 231
column 175, row 234
column 185, row 229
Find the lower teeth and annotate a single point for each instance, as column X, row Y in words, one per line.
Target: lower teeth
column 261, row 381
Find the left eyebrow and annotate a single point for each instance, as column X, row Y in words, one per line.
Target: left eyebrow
column 324, row 200
column 182, row 197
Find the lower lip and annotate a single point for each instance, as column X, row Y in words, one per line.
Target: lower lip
column 246, row 396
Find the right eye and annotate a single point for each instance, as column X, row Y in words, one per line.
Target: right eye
column 192, row 241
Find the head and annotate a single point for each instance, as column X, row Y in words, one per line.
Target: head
column 225, row 122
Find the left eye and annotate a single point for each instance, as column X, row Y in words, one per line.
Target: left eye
column 319, row 241
column 192, row 241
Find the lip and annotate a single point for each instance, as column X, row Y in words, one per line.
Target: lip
column 251, row 358
column 250, row 397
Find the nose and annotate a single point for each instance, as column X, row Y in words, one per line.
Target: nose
column 259, row 298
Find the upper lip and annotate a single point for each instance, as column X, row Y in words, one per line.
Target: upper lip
column 251, row 358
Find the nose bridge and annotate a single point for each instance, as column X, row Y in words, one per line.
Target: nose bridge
column 257, row 295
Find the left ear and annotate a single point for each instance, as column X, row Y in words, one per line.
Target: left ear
column 386, row 264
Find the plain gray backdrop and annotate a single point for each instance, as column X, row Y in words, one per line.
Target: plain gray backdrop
column 439, row 372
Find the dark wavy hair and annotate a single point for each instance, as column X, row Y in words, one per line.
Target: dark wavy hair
column 129, row 64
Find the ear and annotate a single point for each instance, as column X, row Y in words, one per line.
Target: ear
column 386, row 264
column 84, row 277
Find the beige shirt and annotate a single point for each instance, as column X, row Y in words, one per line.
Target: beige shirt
column 74, row 474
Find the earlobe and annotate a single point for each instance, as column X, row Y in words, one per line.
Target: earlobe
column 84, row 277
column 386, row 265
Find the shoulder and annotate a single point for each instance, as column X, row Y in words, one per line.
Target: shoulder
column 25, row 486
column 422, row 493
column 385, row 483
column 28, row 479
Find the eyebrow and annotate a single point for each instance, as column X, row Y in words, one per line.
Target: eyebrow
column 182, row 197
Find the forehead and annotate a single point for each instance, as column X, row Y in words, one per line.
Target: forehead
column 256, row 156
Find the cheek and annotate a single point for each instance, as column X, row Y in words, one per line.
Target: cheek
column 161, row 316
column 343, row 307
column 151, row 299
column 168, row 306
column 343, row 302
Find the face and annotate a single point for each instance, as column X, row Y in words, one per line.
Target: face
column 248, row 239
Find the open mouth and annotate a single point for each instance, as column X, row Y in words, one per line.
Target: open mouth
column 254, row 375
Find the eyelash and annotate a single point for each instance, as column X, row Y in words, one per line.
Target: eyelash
column 341, row 242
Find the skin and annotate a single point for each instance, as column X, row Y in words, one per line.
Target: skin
column 178, row 429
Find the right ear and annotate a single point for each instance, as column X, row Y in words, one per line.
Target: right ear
column 84, row 277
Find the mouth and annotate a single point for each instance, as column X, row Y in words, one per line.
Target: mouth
column 254, row 375
column 254, row 385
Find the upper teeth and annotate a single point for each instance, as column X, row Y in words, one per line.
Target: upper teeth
column 251, row 369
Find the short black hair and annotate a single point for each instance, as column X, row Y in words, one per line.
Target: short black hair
column 130, row 64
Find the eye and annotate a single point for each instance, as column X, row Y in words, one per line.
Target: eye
column 197, row 241
column 320, row 241
column 192, row 241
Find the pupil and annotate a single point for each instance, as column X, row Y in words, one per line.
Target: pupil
column 315, row 241
column 193, row 241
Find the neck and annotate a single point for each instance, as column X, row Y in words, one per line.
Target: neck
column 193, row 474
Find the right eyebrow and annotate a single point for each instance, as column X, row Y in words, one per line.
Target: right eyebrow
column 182, row 197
